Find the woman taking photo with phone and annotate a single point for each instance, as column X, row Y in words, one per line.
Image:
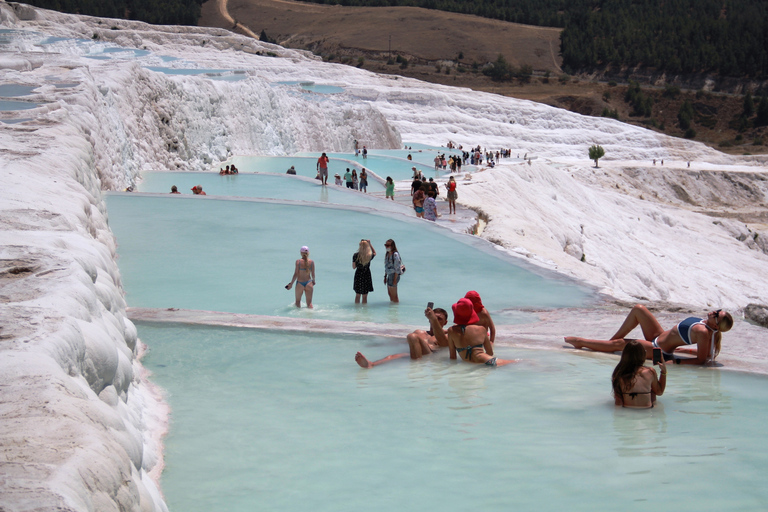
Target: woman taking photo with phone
column 636, row 385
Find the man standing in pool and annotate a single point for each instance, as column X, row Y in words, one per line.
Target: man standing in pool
column 420, row 342
column 322, row 168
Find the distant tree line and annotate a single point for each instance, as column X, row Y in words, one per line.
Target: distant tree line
column 157, row 12
column 727, row 37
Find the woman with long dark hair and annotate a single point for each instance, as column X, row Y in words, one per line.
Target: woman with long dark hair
column 393, row 267
column 634, row 384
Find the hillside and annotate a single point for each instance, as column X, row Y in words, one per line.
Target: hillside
column 432, row 42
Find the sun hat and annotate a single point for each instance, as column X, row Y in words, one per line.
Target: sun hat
column 464, row 312
column 476, row 302
column 304, row 249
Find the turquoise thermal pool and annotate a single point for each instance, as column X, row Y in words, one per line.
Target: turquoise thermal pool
column 304, row 166
column 283, row 187
column 10, row 105
column 16, row 90
column 392, row 164
column 237, row 256
column 263, row 420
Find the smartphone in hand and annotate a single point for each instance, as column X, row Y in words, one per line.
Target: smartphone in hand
column 656, row 355
column 431, row 305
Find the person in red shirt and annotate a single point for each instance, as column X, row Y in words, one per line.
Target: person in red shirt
column 322, row 168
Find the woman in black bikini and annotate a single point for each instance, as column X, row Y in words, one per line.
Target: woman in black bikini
column 636, row 385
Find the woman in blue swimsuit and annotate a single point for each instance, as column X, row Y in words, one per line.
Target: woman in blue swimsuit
column 304, row 275
column 704, row 333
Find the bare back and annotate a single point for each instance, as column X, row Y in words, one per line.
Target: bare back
column 473, row 343
column 643, row 391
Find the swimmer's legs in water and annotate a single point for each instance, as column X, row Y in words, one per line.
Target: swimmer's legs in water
column 419, row 345
column 365, row 363
column 307, row 291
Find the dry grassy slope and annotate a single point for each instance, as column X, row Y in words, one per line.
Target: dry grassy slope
column 422, row 33
column 426, row 37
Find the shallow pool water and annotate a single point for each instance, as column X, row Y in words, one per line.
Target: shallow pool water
column 237, row 256
column 10, row 105
column 384, row 164
column 16, row 90
column 208, row 73
column 304, row 166
column 263, row 420
column 265, row 186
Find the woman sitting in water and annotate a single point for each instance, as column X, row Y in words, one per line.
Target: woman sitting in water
column 636, row 385
column 704, row 333
column 304, row 275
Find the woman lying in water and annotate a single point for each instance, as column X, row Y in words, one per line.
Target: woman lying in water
column 704, row 333
column 635, row 385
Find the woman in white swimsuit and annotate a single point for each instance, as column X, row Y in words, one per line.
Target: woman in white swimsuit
column 704, row 333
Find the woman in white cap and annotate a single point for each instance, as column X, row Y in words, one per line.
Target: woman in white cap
column 304, row 275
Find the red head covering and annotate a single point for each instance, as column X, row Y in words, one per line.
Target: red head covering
column 464, row 313
column 476, row 302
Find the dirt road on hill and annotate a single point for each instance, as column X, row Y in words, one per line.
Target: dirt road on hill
column 410, row 31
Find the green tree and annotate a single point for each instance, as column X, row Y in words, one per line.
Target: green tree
column 685, row 115
column 499, row 71
column 762, row 112
column 749, row 106
column 596, row 153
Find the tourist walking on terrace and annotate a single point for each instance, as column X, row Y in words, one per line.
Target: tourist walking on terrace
column 322, row 168
column 636, row 385
column 355, row 181
column 348, row 178
column 452, row 195
column 430, row 207
column 704, row 333
column 361, row 262
column 364, row 180
column 393, row 268
column 304, row 275
column 390, row 188
column 419, row 196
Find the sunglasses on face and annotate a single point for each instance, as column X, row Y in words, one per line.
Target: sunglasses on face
column 717, row 316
